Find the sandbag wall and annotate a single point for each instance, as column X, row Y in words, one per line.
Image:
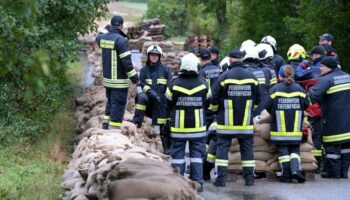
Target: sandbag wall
column 118, row 164
column 265, row 153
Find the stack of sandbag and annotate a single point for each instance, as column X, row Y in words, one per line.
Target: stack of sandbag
column 265, row 153
column 196, row 42
column 107, row 164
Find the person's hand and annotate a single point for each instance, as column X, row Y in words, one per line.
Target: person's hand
column 153, row 94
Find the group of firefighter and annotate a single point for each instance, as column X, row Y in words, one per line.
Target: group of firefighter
column 208, row 102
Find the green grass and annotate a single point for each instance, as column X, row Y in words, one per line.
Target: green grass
column 34, row 171
column 134, row 5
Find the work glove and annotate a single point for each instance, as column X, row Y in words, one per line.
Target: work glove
column 135, row 79
column 153, row 94
column 304, row 64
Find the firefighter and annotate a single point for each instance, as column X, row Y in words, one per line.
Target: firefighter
column 296, row 54
column 266, row 55
column 277, row 60
column 187, row 100
column 150, row 100
column 287, row 103
column 214, row 55
column 117, row 70
column 332, row 92
column 210, row 73
column 225, row 62
column 251, row 63
column 234, row 96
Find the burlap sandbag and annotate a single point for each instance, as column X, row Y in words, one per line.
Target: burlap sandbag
column 306, row 147
column 265, row 131
column 265, row 148
column 272, row 160
column 307, row 157
column 261, row 166
column 234, row 141
column 259, row 141
column 264, row 156
column 275, row 166
column 234, row 157
column 309, row 137
column 234, row 148
column 235, row 167
column 309, row 166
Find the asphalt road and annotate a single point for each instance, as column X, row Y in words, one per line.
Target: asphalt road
column 318, row 189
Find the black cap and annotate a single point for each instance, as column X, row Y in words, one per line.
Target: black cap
column 329, row 61
column 236, row 53
column 204, row 54
column 326, row 36
column 117, row 20
column 214, row 49
column 319, row 49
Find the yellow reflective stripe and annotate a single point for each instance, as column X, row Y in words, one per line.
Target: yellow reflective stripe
column 294, row 155
column 239, row 82
column 146, row 88
column 248, row 163
column 114, row 64
column 213, row 107
column 131, row 73
column 107, row 117
column 256, row 106
column 338, row 88
column 230, row 112
column 185, row 130
column 116, row 85
column 317, row 152
column 211, row 156
column 283, row 159
column 283, row 121
column 168, row 94
column 182, row 119
column 115, row 123
column 208, row 81
column 107, row 44
column 296, row 121
column 335, row 138
column 187, row 91
column 124, row 54
column 220, row 162
column 224, row 127
column 162, row 81
column 261, row 80
column 196, row 118
column 288, row 95
column 140, row 107
column 209, row 93
column 286, row 134
column 246, row 113
column 148, row 81
column 116, row 81
column 162, row 120
column 273, row 81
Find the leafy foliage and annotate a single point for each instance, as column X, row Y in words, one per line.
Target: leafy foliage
column 38, row 38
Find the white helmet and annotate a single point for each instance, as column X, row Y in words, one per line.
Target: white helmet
column 249, row 52
column 270, row 40
column 155, row 49
column 189, row 62
column 247, row 43
column 264, row 51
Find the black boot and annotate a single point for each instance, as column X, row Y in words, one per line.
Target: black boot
column 249, row 181
column 286, row 176
column 219, row 182
column 138, row 124
column 105, row 125
column 207, row 167
column 200, row 189
column 299, row 176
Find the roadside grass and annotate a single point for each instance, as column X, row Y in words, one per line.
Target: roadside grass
column 134, row 5
column 34, row 171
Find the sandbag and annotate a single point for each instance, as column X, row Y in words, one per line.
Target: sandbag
column 275, row 166
column 265, row 131
column 270, row 148
column 261, row 166
column 272, row 160
column 235, row 167
column 233, row 157
column 234, row 148
column 309, row 166
column 307, row 157
column 306, row 147
column 264, row 156
column 259, row 141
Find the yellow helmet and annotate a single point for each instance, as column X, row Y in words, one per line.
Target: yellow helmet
column 296, row 52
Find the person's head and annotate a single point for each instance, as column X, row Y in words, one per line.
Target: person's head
column 189, row 64
column 117, row 21
column 265, row 51
column 328, row 63
column 250, row 52
column 214, row 52
column 296, row 52
column 317, row 52
column 270, row 41
column 286, row 74
column 154, row 53
column 326, row 39
column 204, row 55
column 236, row 56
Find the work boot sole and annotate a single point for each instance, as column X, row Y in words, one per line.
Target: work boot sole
column 299, row 178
